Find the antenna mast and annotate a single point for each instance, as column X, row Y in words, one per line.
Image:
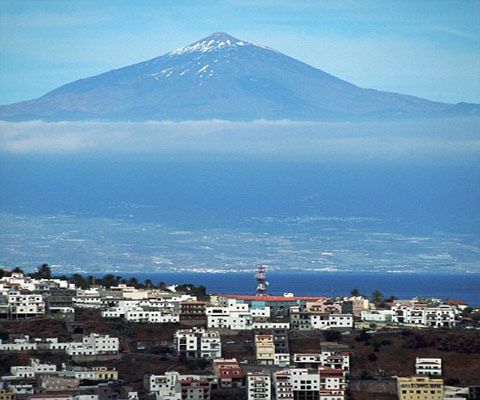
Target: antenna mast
column 262, row 283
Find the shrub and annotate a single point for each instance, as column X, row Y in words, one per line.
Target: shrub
column 332, row 336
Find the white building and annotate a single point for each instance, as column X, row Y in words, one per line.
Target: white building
column 238, row 316
column 428, row 366
column 295, row 383
column 165, row 387
column 198, row 343
column 171, row 385
column 94, row 344
column 443, row 316
column 326, row 359
column 377, row 316
column 29, row 371
column 25, row 305
column 139, row 314
column 259, row 386
column 422, row 315
column 309, row 320
column 89, row 298
column 160, row 309
column 22, row 343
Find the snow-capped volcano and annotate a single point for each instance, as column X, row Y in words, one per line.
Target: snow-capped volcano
column 220, row 77
column 214, row 42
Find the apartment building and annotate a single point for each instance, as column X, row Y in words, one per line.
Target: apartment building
column 296, row 384
column 442, row 316
column 192, row 310
column 271, row 347
column 165, row 387
column 335, row 356
column 151, row 316
column 304, row 384
column 235, row 315
column 195, row 389
column 308, row 360
column 197, row 343
column 419, row 387
column 173, row 386
column 264, row 349
column 259, row 386
column 325, row 359
column 308, row 320
column 228, row 372
column 22, row 304
column 332, row 384
column 428, row 366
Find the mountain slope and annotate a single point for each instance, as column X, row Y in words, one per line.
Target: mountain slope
column 219, row 77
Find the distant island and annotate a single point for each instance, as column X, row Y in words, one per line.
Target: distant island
column 222, row 77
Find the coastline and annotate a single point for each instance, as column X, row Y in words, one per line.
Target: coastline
column 463, row 286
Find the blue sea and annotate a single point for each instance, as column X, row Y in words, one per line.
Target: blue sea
column 464, row 287
column 413, row 202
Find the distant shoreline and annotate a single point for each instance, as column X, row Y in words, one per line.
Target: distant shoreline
column 458, row 286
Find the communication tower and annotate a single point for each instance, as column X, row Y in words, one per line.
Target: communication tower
column 262, row 283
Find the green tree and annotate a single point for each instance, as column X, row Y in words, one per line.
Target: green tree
column 43, row 272
column 79, row 280
column 377, row 298
column 354, row 293
column 133, row 282
column 108, row 281
column 148, row 283
column 18, row 270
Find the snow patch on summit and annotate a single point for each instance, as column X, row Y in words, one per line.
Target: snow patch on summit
column 208, row 46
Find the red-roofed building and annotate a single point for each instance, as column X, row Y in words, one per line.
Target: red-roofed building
column 332, row 384
column 195, row 389
column 228, row 372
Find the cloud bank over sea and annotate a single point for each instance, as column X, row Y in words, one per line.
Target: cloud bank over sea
column 435, row 140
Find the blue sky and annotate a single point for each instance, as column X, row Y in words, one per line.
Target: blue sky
column 425, row 48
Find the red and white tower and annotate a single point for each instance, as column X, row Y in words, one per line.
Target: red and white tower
column 262, row 283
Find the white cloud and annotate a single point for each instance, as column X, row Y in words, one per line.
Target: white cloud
column 435, row 139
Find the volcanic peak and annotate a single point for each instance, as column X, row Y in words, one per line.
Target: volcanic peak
column 216, row 41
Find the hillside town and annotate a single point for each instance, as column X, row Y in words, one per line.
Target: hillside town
column 107, row 339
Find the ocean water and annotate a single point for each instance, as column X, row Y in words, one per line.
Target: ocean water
column 219, row 192
column 111, row 206
column 464, row 287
